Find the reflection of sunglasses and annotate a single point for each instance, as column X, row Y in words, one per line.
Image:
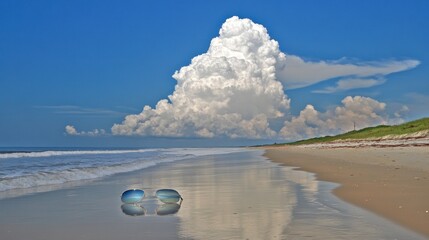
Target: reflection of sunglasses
column 133, row 209
column 164, row 195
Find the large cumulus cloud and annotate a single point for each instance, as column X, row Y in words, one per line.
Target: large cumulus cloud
column 235, row 90
column 231, row 90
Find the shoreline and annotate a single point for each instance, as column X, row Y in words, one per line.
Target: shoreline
column 213, row 188
column 391, row 182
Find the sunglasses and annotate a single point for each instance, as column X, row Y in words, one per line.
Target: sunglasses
column 164, row 195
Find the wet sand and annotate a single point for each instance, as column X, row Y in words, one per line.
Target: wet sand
column 391, row 182
column 230, row 196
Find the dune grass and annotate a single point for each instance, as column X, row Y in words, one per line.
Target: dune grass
column 373, row 132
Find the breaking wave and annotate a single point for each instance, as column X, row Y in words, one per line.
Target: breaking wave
column 62, row 153
column 35, row 169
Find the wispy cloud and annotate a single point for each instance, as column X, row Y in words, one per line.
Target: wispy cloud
column 298, row 73
column 128, row 109
column 417, row 103
column 77, row 110
column 352, row 83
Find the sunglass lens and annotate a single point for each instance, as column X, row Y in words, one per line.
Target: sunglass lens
column 132, row 196
column 168, row 195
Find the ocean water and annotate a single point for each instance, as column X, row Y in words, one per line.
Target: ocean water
column 26, row 171
column 228, row 193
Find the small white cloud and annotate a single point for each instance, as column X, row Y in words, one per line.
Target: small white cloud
column 417, row 103
column 299, row 73
column 359, row 112
column 351, row 83
column 400, row 112
column 71, row 130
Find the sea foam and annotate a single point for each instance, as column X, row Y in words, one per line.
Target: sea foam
column 35, row 169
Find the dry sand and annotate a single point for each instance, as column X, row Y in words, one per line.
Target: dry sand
column 392, row 182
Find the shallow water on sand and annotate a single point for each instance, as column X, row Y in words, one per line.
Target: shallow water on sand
column 231, row 196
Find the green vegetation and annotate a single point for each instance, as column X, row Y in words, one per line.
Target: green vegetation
column 373, row 132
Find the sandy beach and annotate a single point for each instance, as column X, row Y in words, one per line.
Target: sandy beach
column 391, row 182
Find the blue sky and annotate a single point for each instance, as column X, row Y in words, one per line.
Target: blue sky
column 88, row 64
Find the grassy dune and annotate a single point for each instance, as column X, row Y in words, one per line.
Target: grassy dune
column 373, row 132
